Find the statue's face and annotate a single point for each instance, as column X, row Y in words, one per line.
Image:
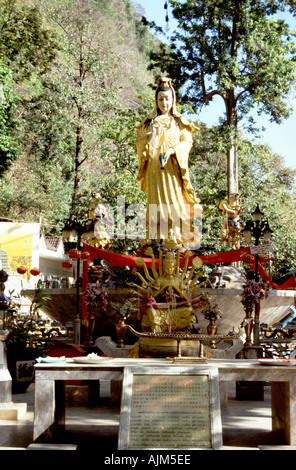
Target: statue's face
column 169, row 267
column 165, row 101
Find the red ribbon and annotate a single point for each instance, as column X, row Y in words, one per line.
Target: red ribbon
column 242, row 254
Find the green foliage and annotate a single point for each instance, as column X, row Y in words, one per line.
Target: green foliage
column 24, row 44
column 227, row 45
column 76, row 116
column 263, row 179
column 23, row 326
column 9, row 148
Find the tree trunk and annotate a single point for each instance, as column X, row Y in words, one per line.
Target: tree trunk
column 232, row 157
column 78, row 151
column 232, row 169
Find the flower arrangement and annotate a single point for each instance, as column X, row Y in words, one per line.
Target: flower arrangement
column 123, row 310
column 202, row 303
column 211, row 312
column 95, row 297
column 252, row 293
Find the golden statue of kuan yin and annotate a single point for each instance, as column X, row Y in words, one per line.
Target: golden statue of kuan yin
column 169, row 293
column 164, row 140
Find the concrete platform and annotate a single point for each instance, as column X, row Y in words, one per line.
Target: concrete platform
column 246, row 426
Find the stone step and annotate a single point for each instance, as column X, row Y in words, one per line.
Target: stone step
column 51, row 446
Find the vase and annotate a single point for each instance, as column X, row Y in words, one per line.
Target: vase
column 121, row 331
column 248, row 325
column 212, row 330
column 89, row 328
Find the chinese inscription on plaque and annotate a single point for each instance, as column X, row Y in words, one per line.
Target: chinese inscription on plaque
column 170, row 411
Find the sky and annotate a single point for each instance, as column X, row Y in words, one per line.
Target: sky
column 280, row 137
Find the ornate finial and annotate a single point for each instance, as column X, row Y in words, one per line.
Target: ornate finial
column 170, row 244
column 164, row 82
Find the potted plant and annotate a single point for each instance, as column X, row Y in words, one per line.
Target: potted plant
column 123, row 311
column 21, row 349
column 211, row 313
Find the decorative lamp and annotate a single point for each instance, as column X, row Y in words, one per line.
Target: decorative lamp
column 71, row 229
column 257, row 214
column 247, row 232
column 66, row 231
column 21, row 269
column 74, row 254
column 85, row 255
column 267, row 232
column 35, row 271
column 67, row 264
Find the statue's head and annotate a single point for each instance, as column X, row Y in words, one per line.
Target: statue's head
column 165, row 97
column 169, row 263
column 233, row 197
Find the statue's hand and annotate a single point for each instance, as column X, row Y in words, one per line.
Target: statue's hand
column 167, row 154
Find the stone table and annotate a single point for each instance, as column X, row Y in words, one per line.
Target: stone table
column 50, row 380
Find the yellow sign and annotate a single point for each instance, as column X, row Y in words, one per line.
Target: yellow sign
column 19, row 246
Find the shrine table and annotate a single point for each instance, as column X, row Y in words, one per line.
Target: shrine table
column 50, row 379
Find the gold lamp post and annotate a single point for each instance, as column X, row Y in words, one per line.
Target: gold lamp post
column 257, row 228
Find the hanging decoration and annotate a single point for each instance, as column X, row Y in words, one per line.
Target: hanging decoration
column 166, row 7
column 85, row 255
column 21, row 269
column 35, row 271
column 74, row 254
column 241, row 254
column 67, row 264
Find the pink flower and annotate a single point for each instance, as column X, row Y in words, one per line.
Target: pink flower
column 94, row 297
column 252, row 293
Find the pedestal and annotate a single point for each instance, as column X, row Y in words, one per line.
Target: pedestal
column 246, row 390
column 5, row 378
column 8, row 410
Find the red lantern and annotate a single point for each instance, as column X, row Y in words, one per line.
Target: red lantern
column 35, row 271
column 22, row 270
column 247, row 258
column 74, row 254
column 85, row 255
column 67, row 264
column 263, row 259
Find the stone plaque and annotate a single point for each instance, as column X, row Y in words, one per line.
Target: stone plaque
column 172, row 408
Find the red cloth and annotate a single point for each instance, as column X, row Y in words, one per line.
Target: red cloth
column 117, row 259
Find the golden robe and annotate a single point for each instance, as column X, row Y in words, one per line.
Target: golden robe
column 169, row 189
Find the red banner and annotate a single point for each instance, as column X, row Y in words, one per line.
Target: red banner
column 117, row 259
column 231, row 256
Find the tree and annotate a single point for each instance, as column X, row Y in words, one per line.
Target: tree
column 94, row 89
column 263, row 179
column 236, row 50
column 25, row 45
column 26, row 49
column 97, row 74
